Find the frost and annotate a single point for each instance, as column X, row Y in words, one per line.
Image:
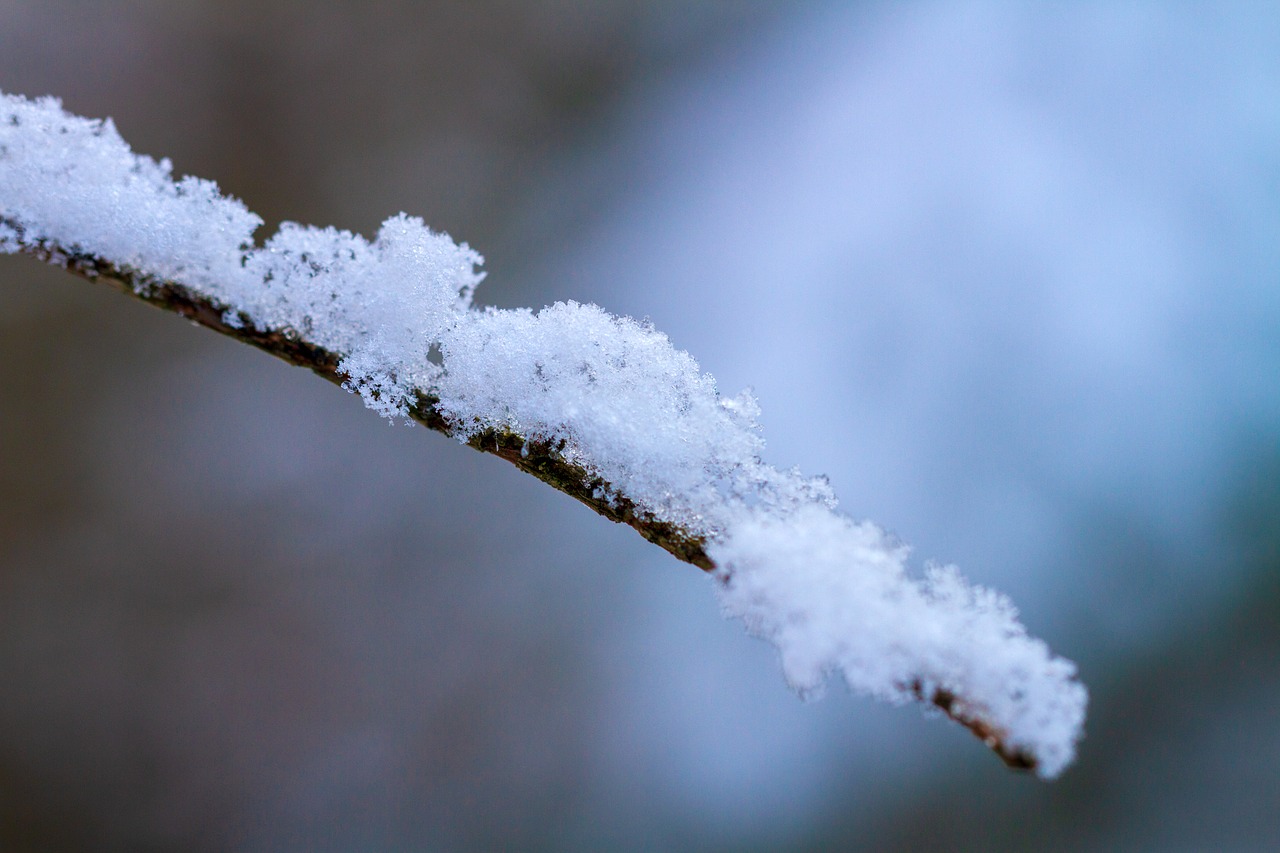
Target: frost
column 613, row 395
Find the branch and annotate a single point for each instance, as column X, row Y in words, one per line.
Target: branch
column 599, row 407
column 540, row 458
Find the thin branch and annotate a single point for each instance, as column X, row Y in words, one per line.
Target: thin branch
column 950, row 705
column 541, row 459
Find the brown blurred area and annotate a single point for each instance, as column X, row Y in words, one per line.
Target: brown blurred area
column 237, row 611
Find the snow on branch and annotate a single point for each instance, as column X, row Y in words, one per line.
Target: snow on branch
column 601, row 407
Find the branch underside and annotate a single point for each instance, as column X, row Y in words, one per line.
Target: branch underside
column 542, row 459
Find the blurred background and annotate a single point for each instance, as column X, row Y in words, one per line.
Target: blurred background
column 1008, row 273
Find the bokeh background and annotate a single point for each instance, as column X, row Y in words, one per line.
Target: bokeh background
column 1008, row 273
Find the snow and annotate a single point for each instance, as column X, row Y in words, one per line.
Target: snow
column 628, row 406
column 382, row 305
column 74, row 182
column 834, row 596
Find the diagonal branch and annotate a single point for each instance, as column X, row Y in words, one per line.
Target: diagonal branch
column 600, row 407
column 541, row 459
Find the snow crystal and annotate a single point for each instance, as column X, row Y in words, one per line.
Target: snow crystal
column 613, row 394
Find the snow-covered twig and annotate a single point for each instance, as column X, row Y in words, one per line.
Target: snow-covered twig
column 600, row 407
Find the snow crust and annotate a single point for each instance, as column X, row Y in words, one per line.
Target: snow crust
column 833, row 595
